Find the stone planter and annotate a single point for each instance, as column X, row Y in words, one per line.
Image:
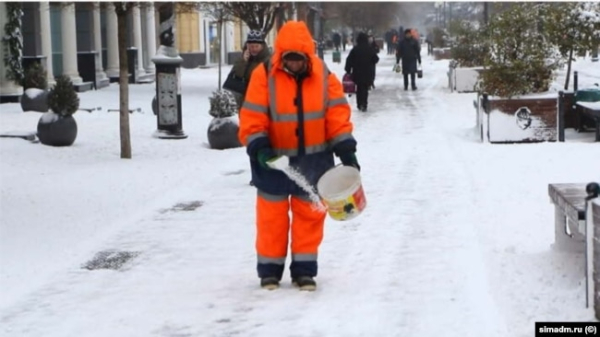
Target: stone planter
column 56, row 130
column 524, row 119
column 34, row 99
column 223, row 133
column 464, row 79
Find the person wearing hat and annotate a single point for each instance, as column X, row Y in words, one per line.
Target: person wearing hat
column 294, row 107
column 254, row 53
column 409, row 51
column 360, row 64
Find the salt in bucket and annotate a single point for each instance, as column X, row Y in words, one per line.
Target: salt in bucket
column 342, row 192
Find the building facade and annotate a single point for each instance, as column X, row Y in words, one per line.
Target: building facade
column 79, row 40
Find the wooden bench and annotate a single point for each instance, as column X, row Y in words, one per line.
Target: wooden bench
column 596, row 221
column 591, row 110
column 569, row 215
column 576, row 230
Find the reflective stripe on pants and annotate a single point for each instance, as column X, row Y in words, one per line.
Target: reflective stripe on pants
column 273, row 227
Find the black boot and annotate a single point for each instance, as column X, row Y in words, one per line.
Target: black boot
column 305, row 283
column 269, row 283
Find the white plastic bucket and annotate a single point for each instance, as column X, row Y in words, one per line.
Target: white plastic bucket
column 342, row 192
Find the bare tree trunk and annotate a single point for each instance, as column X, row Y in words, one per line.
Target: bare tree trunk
column 569, row 69
column 123, row 87
column 220, row 38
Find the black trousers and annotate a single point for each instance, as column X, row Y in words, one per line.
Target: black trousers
column 362, row 95
column 412, row 80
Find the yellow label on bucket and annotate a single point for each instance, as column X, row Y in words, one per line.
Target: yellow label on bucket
column 348, row 208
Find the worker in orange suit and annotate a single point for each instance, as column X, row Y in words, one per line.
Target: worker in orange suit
column 294, row 107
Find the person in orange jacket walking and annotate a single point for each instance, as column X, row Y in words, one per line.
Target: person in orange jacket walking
column 295, row 107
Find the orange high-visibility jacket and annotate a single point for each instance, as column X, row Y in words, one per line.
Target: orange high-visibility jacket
column 303, row 119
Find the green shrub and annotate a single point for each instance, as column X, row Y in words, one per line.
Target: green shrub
column 63, row 99
column 469, row 48
column 35, row 77
column 520, row 59
column 222, row 104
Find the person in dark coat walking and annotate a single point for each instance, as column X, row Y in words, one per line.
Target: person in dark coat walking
column 360, row 64
column 410, row 52
column 429, row 40
column 337, row 40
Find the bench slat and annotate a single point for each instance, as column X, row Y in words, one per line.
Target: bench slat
column 570, row 198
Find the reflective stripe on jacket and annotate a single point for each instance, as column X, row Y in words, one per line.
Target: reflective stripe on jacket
column 301, row 117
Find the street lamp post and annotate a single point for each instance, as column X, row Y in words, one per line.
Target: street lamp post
column 168, row 78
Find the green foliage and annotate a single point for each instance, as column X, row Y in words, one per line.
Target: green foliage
column 13, row 42
column 63, row 99
column 35, row 77
column 222, row 104
column 440, row 38
column 572, row 26
column 469, row 48
column 520, row 60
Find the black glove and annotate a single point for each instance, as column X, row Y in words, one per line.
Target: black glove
column 349, row 159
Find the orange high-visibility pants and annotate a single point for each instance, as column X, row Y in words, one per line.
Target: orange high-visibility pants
column 272, row 234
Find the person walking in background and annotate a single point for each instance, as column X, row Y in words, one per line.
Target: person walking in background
column 295, row 107
column 388, row 41
column 410, row 52
column 337, row 40
column 429, row 40
column 360, row 64
column 394, row 42
column 255, row 52
column 375, row 47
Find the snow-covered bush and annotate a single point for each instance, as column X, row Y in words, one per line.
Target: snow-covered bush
column 469, row 48
column 223, row 129
column 35, row 77
column 63, row 99
column 521, row 60
column 222, row 104
column 573, row 28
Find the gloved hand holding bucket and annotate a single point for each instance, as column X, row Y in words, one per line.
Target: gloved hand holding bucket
column 340, row 188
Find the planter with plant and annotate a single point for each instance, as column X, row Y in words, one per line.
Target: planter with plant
column 519, row 70
column 58, row 127
column 35, row 84
column 468, row 55
column 574, row 28
column 441, row 44
column 224, row 127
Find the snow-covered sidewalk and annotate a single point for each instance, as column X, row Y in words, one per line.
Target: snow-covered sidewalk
column 455, row 241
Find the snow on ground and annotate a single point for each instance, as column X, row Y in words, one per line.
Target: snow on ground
column 456, row 238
